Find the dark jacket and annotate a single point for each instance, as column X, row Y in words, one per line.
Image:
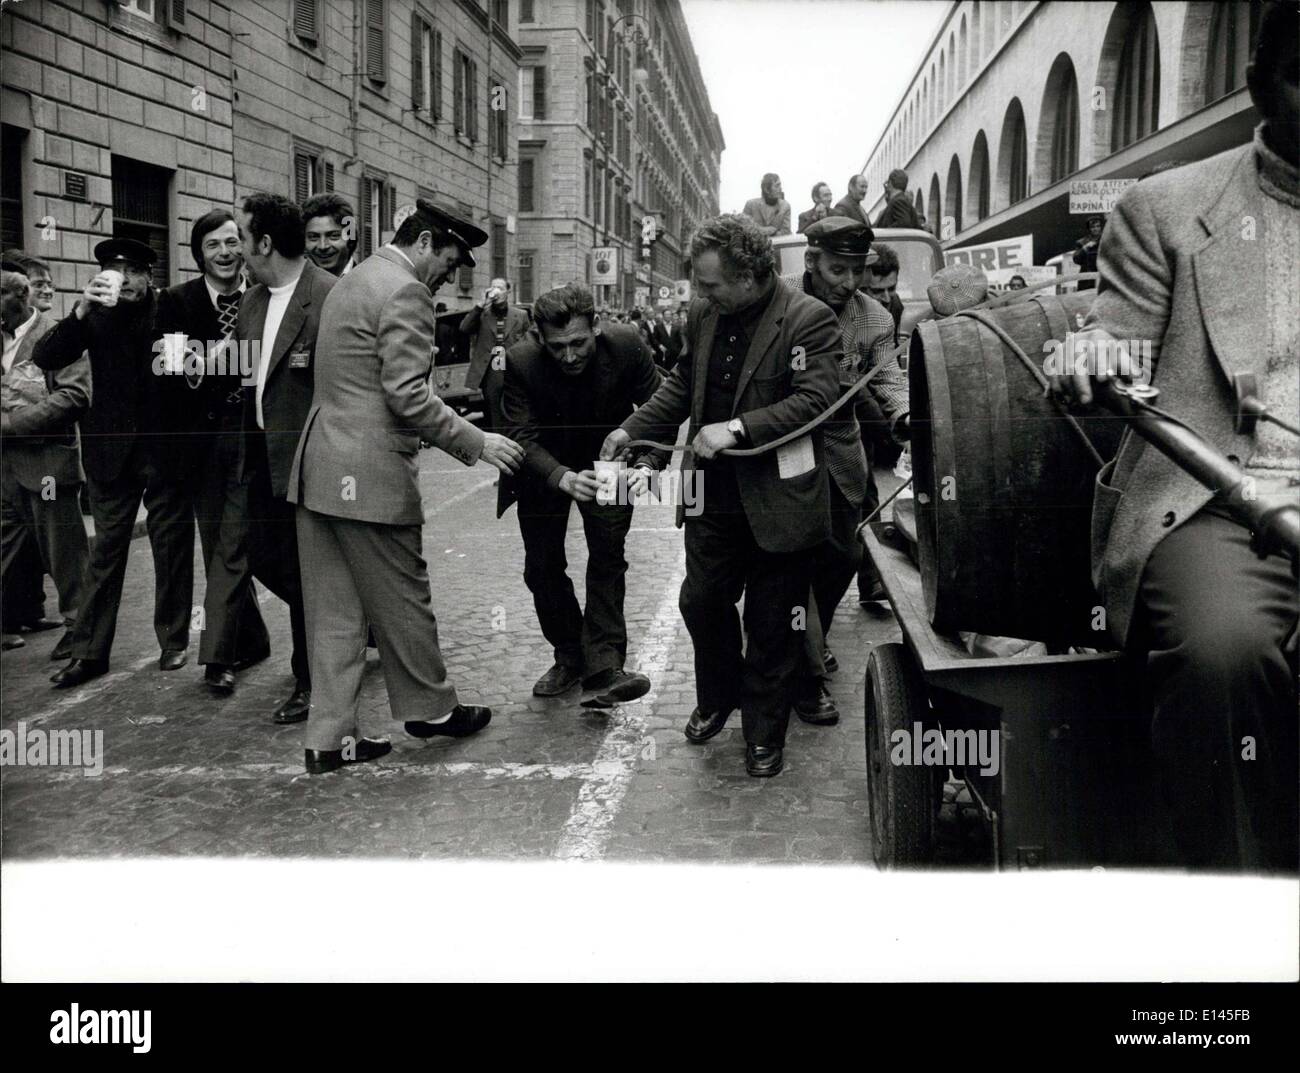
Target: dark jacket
column 481, row 328
column 775, row 395
column 286, row 398
column 809, row 217
column 624, row 376
column 126, row 405
column 900, row 212
column 846, row 206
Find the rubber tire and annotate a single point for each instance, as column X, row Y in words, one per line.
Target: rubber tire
column 901, row 799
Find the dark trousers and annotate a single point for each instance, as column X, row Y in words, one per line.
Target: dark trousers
column 493, row 387
column 272, row 543
column 360, row 572
column 233, row 628
column 23, row 597
column 170, row 524
column 53, row 527
column 723, row 560
column 1219, row 629
column 868, row 575
column 594, row 639
column 835, row 564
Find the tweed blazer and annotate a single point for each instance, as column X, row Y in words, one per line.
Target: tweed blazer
column 42, row 438
column 1179, row 267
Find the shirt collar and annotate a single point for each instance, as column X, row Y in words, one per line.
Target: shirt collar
column 390, row 246
column 25, row 326
column 213, row 292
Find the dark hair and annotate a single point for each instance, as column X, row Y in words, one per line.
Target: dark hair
column 770, row 178
column 277, row 217
column 417, row 223
column 742, row 247
column 15, row 260
column 888, row 262
column 441, row 307
column 557, row 307
column 204, row 225
column 898, row 179
column 818, row 186
column 1277, row 26
column 634, row 315
column 333, row 205
column 36, row 264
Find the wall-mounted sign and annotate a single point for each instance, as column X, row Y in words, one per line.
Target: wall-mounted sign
column 1091, row 196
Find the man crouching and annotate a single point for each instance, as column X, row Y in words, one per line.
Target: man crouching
column 567, row 385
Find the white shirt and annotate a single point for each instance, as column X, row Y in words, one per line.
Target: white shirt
column 275, row 308
column 12, row 342
column 213, row 292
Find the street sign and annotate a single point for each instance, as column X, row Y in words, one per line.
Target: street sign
column 683, row 289
column 642, row 296
column 604, row 265
column 665, row 292
column 1092, row 196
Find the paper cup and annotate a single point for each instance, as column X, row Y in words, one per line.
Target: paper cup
column 607, row 473
column 115, row 280
column 174, row 353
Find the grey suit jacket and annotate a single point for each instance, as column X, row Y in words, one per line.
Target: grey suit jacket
column 373, row 401
column 789, row 376
column 42, row 438
column 1177, row 268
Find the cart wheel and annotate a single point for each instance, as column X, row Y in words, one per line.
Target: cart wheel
column 902, row 798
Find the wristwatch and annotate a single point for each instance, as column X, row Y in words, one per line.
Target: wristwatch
column 737, row 428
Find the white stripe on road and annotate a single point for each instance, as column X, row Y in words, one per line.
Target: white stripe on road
column 237, row 772
column 461, row 497
column 602, row 791
column 87, row 692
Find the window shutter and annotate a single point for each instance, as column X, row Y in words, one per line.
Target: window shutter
column 471, row 84
column 525, row 10
column 435, row 72
column 304, row 19
column 418, row 96
column 492, row 121
column 458, row 92
column 301, row 177
column 539, row 92
column 175, row 13
column 329, row 178
column 526, row 203
column 376, row 65
column 367, row 219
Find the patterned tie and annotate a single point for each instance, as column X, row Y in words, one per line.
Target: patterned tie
column 228, row 313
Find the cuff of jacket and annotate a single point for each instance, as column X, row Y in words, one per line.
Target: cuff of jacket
column 557, row 475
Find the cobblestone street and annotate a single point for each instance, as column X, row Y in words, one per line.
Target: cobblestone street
column 189, row 774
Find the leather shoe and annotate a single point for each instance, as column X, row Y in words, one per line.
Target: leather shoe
column 559, row 679
column 78, row 671
column 829, row 661
column 173, row 659
column 466, row 719
column 874, row 595
column 817, row 707
column 295, row 709
column 616, row 687
column 763, row 761
column 40, row 625
column 62, row 650
column 321, row 761
column 703, row 725
column 12, row 640
column 219, row 679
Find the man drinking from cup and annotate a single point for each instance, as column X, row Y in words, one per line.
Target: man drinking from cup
column 569, row 383
column 129, row 453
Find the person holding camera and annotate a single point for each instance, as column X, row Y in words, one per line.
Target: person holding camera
column 495, row 326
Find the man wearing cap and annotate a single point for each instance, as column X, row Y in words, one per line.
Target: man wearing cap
column 129, row 453
column 355, row 480
column 839, row 251
column 495, row 326
column 205, row 399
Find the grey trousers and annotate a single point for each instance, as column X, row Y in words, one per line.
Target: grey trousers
column 358, row 572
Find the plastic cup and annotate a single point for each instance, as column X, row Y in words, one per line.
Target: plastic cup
column 115, row 280
column 174, row 353
column 607, row 473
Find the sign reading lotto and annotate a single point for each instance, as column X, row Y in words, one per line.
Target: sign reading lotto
column 604, row 265
column 1090, row 196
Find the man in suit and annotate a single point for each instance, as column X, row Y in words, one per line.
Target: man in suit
column 657, row 338
column 206, row 402
column 771, row 212
column 821, row 207
column 494, row 326
column 762, row 361
column 1179, row 578
column 40, row 461
column 899, row 210
column 567, row 384
column 279, row 319
column 850, row 204
column 835, row 269
column 130, row 451
column 355, row 480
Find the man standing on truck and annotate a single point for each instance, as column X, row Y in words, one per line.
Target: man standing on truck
column 899, row 210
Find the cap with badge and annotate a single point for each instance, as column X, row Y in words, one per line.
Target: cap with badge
column 842, row 236
column 467, row 236
column 128, row 250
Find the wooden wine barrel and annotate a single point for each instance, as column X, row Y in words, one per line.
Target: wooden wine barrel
column 1003, row 483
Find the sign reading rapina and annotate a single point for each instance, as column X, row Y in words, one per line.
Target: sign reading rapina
column 1089, row 196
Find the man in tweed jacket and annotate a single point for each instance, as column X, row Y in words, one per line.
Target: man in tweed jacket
column 836, row 266
column 1201, row 261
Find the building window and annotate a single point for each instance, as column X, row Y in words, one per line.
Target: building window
column 1016, row 155
column 1137, row 91
column 498, row 118
column 526, row 11
column 140, row 210
column 586, row 185
column 426, row 67
column 979, row 177
column 11, row 188
column 377, row 197
column 525, row 282
column 532, row 92
column 306, row 20
column 501, row 12
column 1065, row 122
column 307, row 175
column 527, row 191
column 465, row 89
column 1232, row 41
column 377, row 40
column 500, row 265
